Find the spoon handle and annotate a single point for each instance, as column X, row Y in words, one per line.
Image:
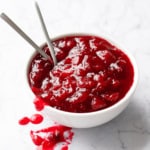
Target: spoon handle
column 23, row 34
column 46, row 33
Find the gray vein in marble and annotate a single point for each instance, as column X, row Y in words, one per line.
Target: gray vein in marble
column 122, row 144
column 138, row 130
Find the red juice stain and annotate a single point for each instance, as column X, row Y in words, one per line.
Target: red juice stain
column 49, row 138
column 34, row 119
column 64, row 147
column 38, row 103
column 24, row 121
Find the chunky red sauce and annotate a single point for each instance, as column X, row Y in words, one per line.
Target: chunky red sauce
column 50, row 138
column 55, row 136
column 91, row 75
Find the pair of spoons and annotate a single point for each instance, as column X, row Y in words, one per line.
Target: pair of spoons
column 28, row 39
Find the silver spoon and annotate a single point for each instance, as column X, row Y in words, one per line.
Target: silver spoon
column 46, row 34
column 23, row 34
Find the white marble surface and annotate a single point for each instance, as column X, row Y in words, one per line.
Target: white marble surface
column 127, row 21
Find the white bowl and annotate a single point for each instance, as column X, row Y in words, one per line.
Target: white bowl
column 92, row 119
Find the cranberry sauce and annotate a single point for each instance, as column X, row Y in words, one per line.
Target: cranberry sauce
column 91, row 75
column 50, row 138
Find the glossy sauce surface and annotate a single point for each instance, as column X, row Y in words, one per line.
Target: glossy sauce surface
column 91, row 75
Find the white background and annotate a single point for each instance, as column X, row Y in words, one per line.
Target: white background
column 127, row 21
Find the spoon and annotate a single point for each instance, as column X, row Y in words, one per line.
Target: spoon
column 46, row 33
column 23, row 34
